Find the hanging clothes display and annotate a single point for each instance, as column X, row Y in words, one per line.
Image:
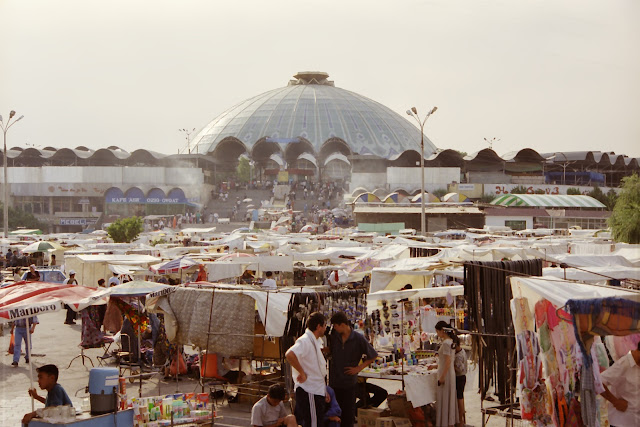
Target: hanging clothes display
column 488, row 293
column 352, row 302
column 535, row 401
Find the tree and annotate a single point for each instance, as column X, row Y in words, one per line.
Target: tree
column 520, row 189
column 243, row 171
column 625, row 218
column 19, row 218
column 125, row 230
column 606, row 199
column 573, row 191
column 439, row 193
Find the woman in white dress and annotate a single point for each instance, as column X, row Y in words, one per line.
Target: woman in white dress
column 446, row 402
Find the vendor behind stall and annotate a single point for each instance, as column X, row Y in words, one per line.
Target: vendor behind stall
column 56, row 396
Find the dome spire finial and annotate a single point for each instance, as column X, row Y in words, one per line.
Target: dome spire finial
column 311, row 78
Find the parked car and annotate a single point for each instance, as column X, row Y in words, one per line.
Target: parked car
column 47, row 274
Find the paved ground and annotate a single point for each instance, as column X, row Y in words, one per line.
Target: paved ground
column 55, row 342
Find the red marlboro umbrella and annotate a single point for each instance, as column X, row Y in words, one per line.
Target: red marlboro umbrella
column 26, row 299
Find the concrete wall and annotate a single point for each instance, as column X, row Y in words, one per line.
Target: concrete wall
column 409, row 178
column 116, row 175
column 370, row 181
column 490, row 220
column 482, row 177
column 94, row 181
column 405, row 178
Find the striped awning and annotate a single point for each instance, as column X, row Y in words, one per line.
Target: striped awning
column 547, row 201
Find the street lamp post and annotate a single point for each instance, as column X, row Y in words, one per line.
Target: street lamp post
column 188, row 133
column 413, row 112
column 5, row 129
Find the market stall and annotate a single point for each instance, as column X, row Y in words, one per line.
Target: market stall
column 403, row 332
column 558, row 326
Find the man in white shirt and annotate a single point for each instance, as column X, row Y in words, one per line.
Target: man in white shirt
column 309, row 373
column 270, row 412
column 622, row 389
column 114, row 281
column 269, row 283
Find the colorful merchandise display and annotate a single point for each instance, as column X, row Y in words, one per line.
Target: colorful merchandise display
column 172, row 409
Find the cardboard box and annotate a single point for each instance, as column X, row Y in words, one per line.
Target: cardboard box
column 263, row 347
column 398, row 405
column 367, row 417
column 393, row 422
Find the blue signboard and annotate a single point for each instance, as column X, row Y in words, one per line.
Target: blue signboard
column 155, row 195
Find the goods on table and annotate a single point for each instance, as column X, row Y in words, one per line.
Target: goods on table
column 181, row 408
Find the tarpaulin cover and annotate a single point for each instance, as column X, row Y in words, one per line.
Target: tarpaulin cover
column 26, row 299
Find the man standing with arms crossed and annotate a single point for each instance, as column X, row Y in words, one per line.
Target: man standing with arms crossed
column 347, row 349
column 309, row 373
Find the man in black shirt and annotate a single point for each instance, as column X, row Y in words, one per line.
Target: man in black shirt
column 347, row 350
column 33, row 275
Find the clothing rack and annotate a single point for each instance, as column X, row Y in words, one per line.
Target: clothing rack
column 488, row 293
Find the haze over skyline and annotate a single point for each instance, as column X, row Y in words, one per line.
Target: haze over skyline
column 548, row 75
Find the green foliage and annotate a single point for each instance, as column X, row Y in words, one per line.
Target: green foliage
column 540, row 191
column 439, row 193
column 625, row 218
column 520, row 189
column 243, row 171
column 462, row 153
column 125, row 230
column 19, row 218
column 159, row 241
column 573, row 191
column 609, row 200
column 487, row 198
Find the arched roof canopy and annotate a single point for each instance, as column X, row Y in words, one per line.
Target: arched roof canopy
column 484, row 160
column 229, row 150
column 409, row 158
column 526, row 155
column 334, row 145
column 104, row 157
column 446, row 158
column 263, row 149
column 294, row 149
column 144, row 157
column 64, row 157
column 358, row 190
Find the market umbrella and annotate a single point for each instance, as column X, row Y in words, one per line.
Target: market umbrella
column 174, row 265
column 234, row 256
column 41, row 247
column 308, row 228
column 339, row 231
column 26, row 299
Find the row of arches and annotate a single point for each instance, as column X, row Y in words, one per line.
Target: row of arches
column 153, row 196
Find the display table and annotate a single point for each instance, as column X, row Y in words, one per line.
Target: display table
column 121, row 419
column 420, row 387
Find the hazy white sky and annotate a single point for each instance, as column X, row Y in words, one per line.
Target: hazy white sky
column 553, row 75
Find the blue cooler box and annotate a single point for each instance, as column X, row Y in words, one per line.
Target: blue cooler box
column 103, row 388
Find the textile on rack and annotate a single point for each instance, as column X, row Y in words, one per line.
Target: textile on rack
column 619, row 346
column 134, row 313
column 488, row 294
column 91, row 335
column 535, row 402
column 603, row 316
column 352, row 302
column 227, row 328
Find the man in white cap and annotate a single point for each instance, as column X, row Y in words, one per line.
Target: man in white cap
column 71, row 315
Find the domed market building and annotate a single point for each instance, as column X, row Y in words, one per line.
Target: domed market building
column 310, row 129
